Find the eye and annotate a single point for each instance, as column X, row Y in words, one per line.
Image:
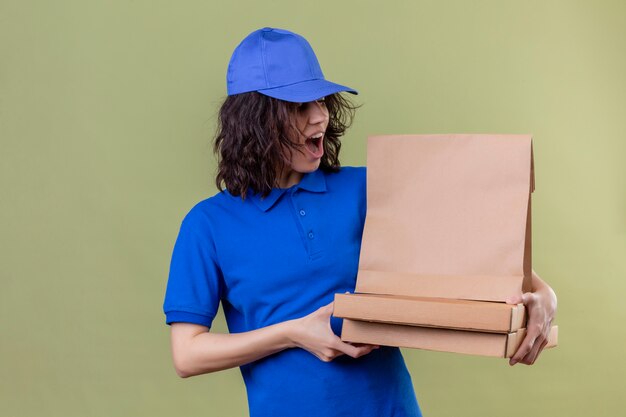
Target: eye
column 302, row 106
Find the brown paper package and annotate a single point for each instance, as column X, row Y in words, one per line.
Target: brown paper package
column 448, row 216
column 447, row 239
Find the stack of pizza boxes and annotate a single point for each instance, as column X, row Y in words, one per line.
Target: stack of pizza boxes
column 447, row 239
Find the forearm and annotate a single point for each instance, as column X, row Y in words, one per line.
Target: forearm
column 209, row 352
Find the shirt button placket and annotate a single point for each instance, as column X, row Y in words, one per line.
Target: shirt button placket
column 310, row 234
column 308, row 228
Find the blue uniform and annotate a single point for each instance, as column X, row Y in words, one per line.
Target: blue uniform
column 280, row 258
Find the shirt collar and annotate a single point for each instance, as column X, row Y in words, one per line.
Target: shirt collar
column 311, row 181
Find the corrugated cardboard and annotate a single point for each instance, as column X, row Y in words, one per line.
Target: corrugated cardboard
column 448, row 216
column 431, row 312
column 502, row 345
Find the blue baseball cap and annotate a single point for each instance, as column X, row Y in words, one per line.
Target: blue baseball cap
column 279, row 64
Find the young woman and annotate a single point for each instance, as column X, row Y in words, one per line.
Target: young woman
column 279, row 241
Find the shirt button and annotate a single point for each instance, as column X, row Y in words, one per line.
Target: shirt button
column 302, row 212
column 311, row 235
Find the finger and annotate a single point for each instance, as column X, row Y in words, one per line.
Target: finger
column 523, row 348
column 366, row 351
column 329, row 354
column 525, row 298
column 533, row 336
column 348, row 349
column 327, row 309
column 365, row 344
column 534, row 352
column 543, row 345
column 514, row 299
column 363, row 350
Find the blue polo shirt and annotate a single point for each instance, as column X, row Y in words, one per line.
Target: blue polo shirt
column 278, row 258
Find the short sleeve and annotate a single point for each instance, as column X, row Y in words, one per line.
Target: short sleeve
column 194, row 284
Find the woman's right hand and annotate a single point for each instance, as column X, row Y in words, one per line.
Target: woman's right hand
column 314, row 334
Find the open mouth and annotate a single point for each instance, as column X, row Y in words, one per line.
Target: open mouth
column 314, row 145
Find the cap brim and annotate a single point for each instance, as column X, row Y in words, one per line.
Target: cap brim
column 306, row 91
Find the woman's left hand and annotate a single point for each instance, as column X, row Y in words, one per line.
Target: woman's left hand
column 541, row 308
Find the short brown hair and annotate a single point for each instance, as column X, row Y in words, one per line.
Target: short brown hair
column 253, row 127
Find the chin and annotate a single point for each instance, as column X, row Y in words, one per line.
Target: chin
column 315, row 165
column 308, row 167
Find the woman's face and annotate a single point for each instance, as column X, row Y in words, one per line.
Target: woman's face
column 311, row 120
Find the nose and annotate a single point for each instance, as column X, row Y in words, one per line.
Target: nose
column 317, row 113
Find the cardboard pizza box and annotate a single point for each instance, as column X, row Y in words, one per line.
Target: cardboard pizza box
column 431, row 312
column 501, row 345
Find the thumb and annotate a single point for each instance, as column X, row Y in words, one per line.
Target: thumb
column 526, row 298
column 327, row 310
column 514, row 299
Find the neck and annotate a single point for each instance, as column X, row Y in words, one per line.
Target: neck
column 288, row 177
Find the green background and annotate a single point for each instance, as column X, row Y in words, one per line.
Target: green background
column 107, row 110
